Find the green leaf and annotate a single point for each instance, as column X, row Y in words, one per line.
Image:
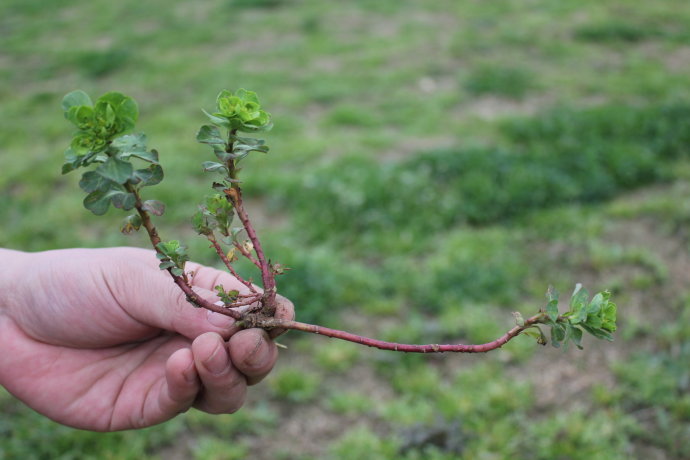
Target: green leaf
column 97, row 202
column 246, row 95
column 116, row 170
column 211, row 166
column 75, row 98
column 113, row 98
column 148, row 176
column 248, row 128
column 598, row 333
column 576, row 336
column 172, row 255
column 72, row 161
column 244, row 149
column 82, row 116
column 227, row 297
column 168, row 248
column 537, row 333
column 166, row 264
column 594, row 307
column 201, row 223
column 83, row 143
column 210, row 135
column 579, row 297
column 552, row 305
column 216, row 120
column 92, row 181
column 154, row 207
column 557, row 334
column 128, row 112
column 122, row 200
column 609, row 313
column 134, row 145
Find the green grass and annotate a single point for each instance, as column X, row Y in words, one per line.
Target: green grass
column 433, row 167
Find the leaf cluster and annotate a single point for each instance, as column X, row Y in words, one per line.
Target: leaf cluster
column 98, row 124
column 240, row 111
column 232, row 150
column 173, row 256
column 100, row 140
column 216, row 213
column 596, row 316
column 227, row 297
column 235, row 112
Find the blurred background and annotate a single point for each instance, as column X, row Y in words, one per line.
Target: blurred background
column 434, row 166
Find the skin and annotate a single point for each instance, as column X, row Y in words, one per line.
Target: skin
column 101, row 339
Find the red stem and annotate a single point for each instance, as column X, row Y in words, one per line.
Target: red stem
column 266, row 274
column 402, row 347
column 227, row 262
column 246, row 254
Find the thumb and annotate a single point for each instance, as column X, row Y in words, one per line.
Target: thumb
column 158, row 302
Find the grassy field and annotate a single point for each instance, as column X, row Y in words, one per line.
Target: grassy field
column 434, row 167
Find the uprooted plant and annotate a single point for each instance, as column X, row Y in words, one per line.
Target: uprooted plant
column 102, row 140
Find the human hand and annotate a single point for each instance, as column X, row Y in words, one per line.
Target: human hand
column 101, row 339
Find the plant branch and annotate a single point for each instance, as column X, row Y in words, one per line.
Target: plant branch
column 181, row 281
column 247, row 254
column 211, row 237
column 234, row 194
column 270, row 323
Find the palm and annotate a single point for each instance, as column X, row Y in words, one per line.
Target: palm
column 105, row 388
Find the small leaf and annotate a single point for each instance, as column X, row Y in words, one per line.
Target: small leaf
column 579, row 297
column 552, row 305
column 130, row 224
column 127, row 113
column 116, row 170
column 210, row 135
column 68, row 167
column 75, row 98
column 557, row 334
column 164, row 265
column 216, row 120
column 148, row 176
column 598, row 333
column 91, row 181
column 97, row 202
column 134, row 145
column 201, row 223
column 576, row 335
column 122, row 200
column 154, row 207
column 227, row 297
column 211, row 166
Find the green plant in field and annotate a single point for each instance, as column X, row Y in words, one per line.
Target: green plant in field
column 121, row 166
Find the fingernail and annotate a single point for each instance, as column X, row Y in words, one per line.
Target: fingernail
column 217, row 363
column 259, row 355
column 219, row 320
